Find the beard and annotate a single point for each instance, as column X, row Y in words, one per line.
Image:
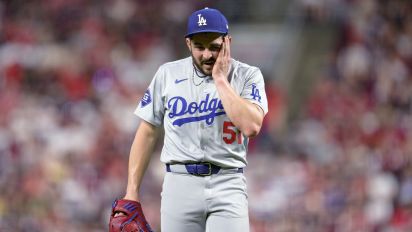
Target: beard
column 204, row 66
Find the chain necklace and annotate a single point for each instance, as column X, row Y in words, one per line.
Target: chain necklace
column 197, row 74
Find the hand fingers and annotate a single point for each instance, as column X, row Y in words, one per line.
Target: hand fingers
column 227, row 46
column 222, row 49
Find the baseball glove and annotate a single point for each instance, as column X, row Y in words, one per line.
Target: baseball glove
column 132, row 219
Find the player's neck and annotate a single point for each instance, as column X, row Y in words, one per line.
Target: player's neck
column 198, row 71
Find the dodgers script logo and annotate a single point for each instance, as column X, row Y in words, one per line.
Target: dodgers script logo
column 211, row 108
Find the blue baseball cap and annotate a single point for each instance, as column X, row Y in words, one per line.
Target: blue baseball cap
column 207, row 20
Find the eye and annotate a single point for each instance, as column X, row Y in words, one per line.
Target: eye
column 215, row 48
column 199, row 47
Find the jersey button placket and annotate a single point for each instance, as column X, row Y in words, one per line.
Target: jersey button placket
column 202, row 140
column 202, row 126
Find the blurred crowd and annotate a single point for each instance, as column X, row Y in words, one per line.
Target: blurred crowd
column 347, row 165
column 72, row 73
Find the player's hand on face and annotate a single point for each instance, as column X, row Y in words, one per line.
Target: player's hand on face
column 222, row 64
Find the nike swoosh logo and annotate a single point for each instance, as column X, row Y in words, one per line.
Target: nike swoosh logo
column 177, row 81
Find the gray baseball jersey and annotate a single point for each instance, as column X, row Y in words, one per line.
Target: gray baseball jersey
column 196, row 126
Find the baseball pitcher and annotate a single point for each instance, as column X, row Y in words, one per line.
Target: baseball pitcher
column 209, row 105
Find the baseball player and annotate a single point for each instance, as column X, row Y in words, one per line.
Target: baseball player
column 209, row 105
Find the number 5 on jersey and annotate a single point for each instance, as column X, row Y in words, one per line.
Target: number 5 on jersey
column 231, row 133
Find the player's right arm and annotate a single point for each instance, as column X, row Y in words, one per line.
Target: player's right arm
column 142, row 148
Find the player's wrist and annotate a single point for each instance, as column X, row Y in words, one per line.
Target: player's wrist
column 220, row 79
column 133, row 196
column 221, row 82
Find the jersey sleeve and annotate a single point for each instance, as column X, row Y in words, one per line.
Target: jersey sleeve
column 254, row 89
column 150, row 107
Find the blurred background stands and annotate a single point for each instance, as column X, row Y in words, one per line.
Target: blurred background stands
column 334, row 151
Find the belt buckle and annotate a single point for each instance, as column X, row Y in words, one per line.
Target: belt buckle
column 209, row 168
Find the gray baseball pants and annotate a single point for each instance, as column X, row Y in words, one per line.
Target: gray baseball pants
column 215, row 203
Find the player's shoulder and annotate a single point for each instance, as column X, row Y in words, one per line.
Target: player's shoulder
column 177, row 64
column 244, row 68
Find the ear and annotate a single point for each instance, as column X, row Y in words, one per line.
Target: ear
column 189, row 44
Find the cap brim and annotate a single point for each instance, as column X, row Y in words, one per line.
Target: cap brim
column 205, row 31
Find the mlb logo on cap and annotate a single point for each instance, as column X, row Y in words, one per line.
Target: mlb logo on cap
column 207, row 20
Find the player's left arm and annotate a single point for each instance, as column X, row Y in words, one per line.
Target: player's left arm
column 245, row 115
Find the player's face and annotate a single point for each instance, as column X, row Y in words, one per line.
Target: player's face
column 205, row 48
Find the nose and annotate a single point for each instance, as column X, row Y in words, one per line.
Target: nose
column 207, row 54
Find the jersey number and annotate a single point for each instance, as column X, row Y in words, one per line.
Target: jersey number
column 230, row 133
